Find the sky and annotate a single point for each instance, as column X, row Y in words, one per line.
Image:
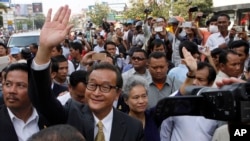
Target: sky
column 75, row 5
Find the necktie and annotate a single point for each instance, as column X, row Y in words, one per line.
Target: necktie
column 100, row 134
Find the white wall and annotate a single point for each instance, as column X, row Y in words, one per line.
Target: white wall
column 219, row 3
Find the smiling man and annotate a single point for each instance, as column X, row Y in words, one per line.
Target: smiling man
column 97, row 118
column 220, row 39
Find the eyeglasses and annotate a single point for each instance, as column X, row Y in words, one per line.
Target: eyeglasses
column 137, row 58
column 103, row 88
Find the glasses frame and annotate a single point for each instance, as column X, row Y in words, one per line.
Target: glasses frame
column 138, row 58
column 100, row 87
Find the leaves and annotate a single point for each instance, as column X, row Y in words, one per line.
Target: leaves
column 164, row 7
column 2, row 6
column 98, row 12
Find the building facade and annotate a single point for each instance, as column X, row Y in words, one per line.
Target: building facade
column 238, row 10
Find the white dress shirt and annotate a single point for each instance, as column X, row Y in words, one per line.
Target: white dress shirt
column 64, row 98
column 25, row 130
column 216, row 39
column 107, row 125
column 98, row 48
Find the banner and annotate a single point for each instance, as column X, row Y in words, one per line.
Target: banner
column 37, row 7
column 21, row 10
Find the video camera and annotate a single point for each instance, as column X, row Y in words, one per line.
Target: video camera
column 229, row 103
column 147, row 11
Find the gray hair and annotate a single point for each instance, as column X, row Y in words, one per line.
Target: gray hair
column 131, row 83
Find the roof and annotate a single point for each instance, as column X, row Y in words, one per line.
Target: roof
column 31, row 33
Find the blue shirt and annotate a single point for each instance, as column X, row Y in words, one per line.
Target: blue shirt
column 187, row 128
column 177, row 76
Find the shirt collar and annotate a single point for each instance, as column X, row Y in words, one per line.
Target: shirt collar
column 222, row 74
column 34, row 116
column 134, row 72
column 219, row 35
column 167, row 81
column 106, row 121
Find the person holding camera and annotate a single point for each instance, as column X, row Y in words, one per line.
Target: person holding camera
column 177, row 128
column 192, row 31
column 138, row 37
column 159, row 32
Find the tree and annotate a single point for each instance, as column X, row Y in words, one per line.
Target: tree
column 158, row 8
column 39, row 21
column 98, row 12
column 5, row 9
column 166, row 7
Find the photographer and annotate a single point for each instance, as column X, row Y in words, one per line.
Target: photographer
column 177, row 128
column 159, row 32
column 138, row 37
column 193, row 34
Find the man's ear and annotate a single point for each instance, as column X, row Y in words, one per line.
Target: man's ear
column 222, row 66
column 53, row 75
column 119, row 91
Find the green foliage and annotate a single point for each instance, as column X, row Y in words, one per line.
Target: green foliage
column 162, row 8
column 39, row 21
column 98, row 12
column 1, row 21
column 2, row 6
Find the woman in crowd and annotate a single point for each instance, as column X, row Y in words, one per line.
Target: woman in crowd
column 136, row 97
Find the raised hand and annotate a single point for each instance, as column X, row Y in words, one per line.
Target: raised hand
column 189, row 60
column 53, row 33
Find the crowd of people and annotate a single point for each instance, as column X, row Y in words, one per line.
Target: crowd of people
column 112, row 96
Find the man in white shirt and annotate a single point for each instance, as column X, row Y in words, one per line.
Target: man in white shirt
column 19, row 119
column 77, row 87
column 220, row 39
column 100, row 44
column 230, row 66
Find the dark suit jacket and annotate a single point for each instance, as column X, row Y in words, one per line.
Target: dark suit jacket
column 7, row 130
column 124, row 128
column 57, row 89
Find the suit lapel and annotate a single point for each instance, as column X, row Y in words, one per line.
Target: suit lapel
column 88, row 123
column 7, row 130
column 119, row 129
column 42, row 122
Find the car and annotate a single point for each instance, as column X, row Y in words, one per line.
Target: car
column 22, row 40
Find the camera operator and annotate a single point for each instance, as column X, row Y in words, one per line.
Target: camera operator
column 147, row 26
column 138, row 37
column 159, row 32
column 222, row 133
column 177, row 128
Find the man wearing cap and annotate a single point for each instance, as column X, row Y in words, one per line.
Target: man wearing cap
column 173, row 24
column 147, row 26
column 15, row 53
column 159, row 32
column 138, row 37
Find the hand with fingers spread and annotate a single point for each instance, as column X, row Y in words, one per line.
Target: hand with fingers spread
column 53, row 33
column 189, row 60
